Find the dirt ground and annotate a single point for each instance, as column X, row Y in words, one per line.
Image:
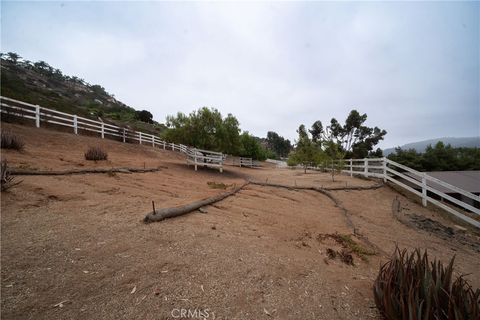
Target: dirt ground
column 75, row 247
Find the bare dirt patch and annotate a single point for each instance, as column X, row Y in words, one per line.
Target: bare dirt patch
column 76, row 247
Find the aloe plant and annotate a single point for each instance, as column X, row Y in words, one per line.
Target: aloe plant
column 410, row 287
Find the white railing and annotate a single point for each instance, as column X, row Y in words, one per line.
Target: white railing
column 418, row 183
column 199, row 157
column 245, row 162
column 12, row 107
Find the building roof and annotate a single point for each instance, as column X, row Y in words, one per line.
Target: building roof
column 466, row 180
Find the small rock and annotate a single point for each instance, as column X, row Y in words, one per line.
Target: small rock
column 214, row 228
column 202, row 210
column 61, row 304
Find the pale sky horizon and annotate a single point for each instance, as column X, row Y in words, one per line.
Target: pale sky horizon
column 413, row 67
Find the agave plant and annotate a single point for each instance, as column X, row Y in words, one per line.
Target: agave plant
column 6, row 179
column 411, row 287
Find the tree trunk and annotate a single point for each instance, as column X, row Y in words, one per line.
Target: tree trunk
column 162, row 214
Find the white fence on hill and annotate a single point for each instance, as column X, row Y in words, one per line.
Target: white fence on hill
column 419, row 183
column 12, row 107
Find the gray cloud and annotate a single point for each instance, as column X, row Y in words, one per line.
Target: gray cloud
column 412, row 67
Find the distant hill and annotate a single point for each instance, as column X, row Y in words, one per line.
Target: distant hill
column 39, row 83
column 420, row 146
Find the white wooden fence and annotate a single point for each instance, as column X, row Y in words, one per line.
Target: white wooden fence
column 12, row 107
column 199, row 157
column 418, row 183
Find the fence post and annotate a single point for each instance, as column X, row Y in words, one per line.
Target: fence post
column 153, row 141
column 384, row 164
column 140, row 137
column 173, row 149
column 103, row 130
column 37, row 116
column 424, row 190
column 75, row 124
column 365, row 169
column 351, row 168
column 164, row 143
column 124, row 134
column 195, row 158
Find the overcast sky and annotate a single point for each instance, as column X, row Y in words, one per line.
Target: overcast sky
column 413, row 67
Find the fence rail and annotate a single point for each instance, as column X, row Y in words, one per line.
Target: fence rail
column 419, row 183
column 12, row 107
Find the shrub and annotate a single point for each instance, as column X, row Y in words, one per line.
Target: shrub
column 409, row 286
column 95, row 154
column 6, row 179
column 215, row 185
column 11, row 141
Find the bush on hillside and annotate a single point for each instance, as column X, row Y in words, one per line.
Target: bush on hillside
column 95, row 154
column 11, row 141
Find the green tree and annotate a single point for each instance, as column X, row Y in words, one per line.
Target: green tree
column 333, row 157
column 307, row 153
column 205, row 129
column 13, row 57
column 278, row 144
column 441, row 157
column 353, row 137
column 251, row 147
column 144, row 116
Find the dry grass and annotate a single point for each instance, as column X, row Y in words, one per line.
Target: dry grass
column 96, row 154
column 215, row 185
column 10, row 141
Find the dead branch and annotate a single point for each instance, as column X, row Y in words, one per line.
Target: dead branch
column 165, row 213
column 21, row 172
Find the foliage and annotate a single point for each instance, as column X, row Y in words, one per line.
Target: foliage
column 11, row 141
column 278, row 144
column 438, row 158
column 144, row 116
column 354, row 137
column 95, row 154
column 204, row 129
column 40, row 83
column 207, row 129
column 217, row 185
column 307, row 153
column 6, row 179
column 251, row 147
column 334, row 156
column 409, row 286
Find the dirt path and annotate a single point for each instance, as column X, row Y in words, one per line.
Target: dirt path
column 261, row 254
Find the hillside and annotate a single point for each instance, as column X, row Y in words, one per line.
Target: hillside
column 76, row 244
column 420, row 146
column 39, row 83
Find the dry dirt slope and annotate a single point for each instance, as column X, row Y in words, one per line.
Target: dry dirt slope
column 260, row 254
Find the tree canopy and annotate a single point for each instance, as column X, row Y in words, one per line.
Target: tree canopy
column 353, row 137
column 440, row 157
column 207, row 129
column 278, row 144
column 307, row 153
column 144, row 116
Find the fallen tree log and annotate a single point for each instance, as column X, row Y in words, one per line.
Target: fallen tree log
column 162, row 214
column 21, row 172
column 353, row 188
